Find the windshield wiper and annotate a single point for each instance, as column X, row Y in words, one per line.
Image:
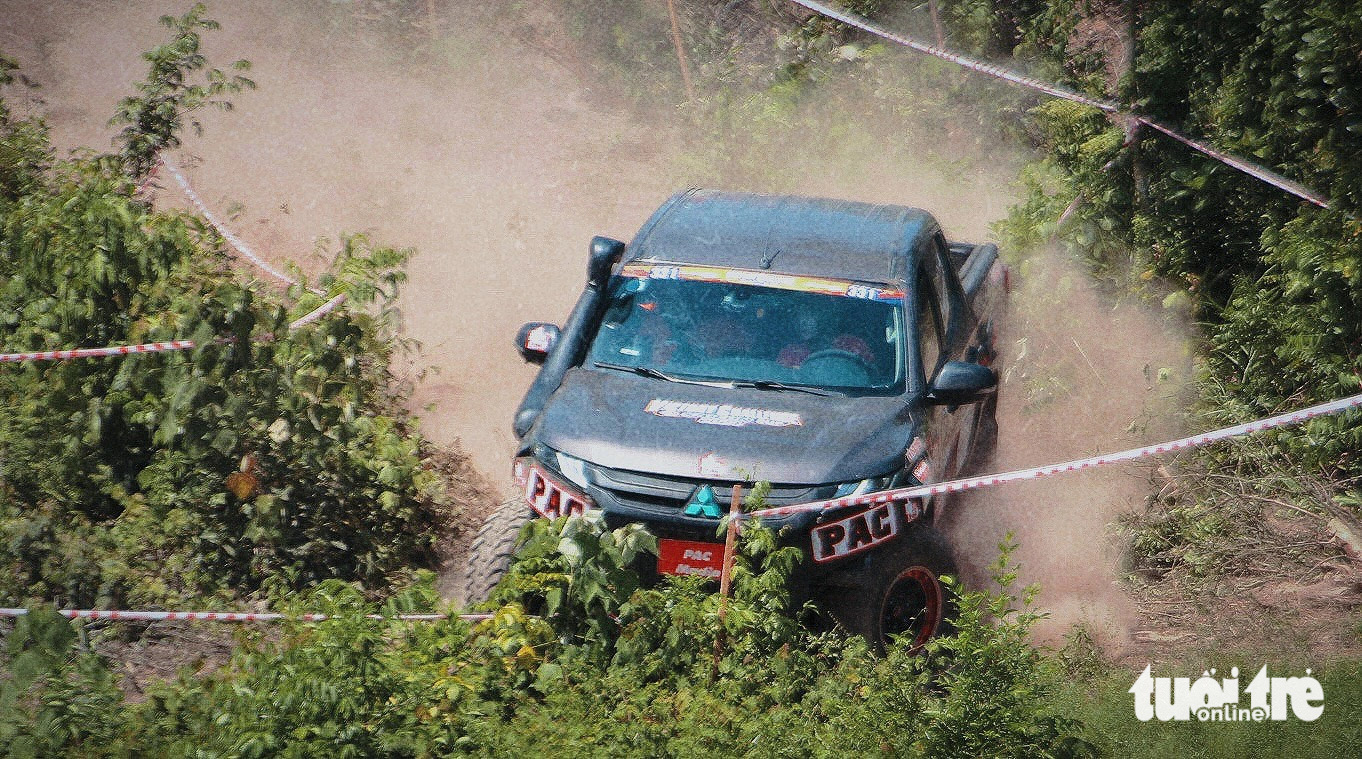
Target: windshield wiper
column 773, row 385
column 648, row 371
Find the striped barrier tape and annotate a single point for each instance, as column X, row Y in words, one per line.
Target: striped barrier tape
column 971, row 483
column 236, row 242
column 231, row 616
column 1254, row 170
column 113, row 350
column 998, row 72
column 170, row 345
column 887, row 496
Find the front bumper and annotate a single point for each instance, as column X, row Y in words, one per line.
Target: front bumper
column 830, row 540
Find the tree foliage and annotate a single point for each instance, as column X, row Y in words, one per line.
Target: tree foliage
column 155, row 116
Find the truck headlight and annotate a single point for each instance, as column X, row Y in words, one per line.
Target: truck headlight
column 574, row 469
column 868, row 485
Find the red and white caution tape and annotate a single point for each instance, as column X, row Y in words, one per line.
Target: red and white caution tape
column 865, row 24
column 113, row 350
column 887, row 496
column 230, row 616
column 171, row 345
column 971, row 483
column 236, row 242
column 1254, row 170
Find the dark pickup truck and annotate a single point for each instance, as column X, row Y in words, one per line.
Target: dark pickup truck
column 826, row 347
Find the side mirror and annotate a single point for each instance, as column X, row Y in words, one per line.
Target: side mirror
column 604, row 253
column 960, row 382
column 535, row 340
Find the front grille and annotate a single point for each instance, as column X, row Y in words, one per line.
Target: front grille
column 654, row 491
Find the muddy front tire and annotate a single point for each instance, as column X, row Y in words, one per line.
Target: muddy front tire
column 899, row 594
column 489, row 556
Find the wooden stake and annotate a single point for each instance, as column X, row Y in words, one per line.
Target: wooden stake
column 730, row 543
column 1131, row 94
column 936, row 24
column 726, row 576
column 681, row 58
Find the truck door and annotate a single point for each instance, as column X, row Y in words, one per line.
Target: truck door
column 936, row 316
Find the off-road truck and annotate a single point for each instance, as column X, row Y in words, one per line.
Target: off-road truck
column 826, row 347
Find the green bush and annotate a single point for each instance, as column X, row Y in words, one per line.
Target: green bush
column 56, row 696
column 651, row 684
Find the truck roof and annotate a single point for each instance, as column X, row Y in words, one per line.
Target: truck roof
column 784, row 233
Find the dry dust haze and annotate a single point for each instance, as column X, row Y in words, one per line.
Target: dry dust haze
column 497, row 161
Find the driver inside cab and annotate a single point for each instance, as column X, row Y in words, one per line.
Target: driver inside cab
column 808, row 340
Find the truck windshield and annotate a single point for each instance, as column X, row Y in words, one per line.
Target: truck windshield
column 700, row 323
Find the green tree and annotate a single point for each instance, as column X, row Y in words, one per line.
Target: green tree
column 155, row 115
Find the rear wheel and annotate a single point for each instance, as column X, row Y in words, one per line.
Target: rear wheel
column 489, row 556
column 900, row 594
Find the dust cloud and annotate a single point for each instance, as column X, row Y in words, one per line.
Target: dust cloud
column 496, row 146
column 1083, row 373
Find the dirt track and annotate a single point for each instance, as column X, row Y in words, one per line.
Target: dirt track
column 498, row 158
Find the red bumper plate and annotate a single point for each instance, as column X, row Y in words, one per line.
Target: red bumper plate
column 689, row 557
column 860, row 531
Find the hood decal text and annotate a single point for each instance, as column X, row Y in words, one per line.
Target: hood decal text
column 722, row 414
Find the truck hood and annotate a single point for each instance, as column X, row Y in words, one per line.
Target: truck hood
column 623, row 421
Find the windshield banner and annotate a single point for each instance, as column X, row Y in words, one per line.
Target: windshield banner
column 820, row 285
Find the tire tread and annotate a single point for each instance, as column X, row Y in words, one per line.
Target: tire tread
column 489, row 555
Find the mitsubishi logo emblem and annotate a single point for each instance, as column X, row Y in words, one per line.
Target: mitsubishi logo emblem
column 703, row 504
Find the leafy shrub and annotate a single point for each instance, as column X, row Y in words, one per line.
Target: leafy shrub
column 655, row 685
column 155, row 116
column 781, row 690
column 56, row 696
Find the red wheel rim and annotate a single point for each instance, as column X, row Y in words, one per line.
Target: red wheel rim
column 913, row 606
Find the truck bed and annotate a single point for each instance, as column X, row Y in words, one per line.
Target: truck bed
column 972, row 263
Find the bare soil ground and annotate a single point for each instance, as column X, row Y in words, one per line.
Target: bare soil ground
column 142, row 655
